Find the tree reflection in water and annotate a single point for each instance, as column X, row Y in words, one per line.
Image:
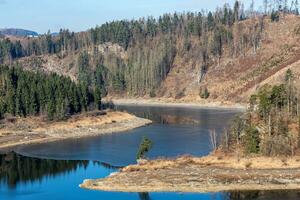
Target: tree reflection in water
column 245, row 195
column 263, row 195
column 144, row 196
column 15, row 168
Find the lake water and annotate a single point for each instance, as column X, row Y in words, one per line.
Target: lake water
column 54, row 170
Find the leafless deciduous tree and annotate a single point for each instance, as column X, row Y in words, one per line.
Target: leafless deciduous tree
column 213, row 139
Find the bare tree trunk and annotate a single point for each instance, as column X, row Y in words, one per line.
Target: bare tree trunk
column 289, row 97
column 292, row 146
column 213, row 139
column 269, row 124
column 297, row 111
column 226, row 139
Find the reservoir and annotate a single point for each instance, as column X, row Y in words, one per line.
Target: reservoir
column 54, row 170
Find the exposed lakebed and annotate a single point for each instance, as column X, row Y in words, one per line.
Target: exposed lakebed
column 64, row 164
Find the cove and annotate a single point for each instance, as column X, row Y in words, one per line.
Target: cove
column 54, row 170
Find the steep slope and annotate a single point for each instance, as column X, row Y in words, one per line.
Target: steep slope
column 234, row 79
column 231, row 77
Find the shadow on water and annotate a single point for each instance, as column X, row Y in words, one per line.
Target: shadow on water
column 263, row 195
column 15, row 168
column 161, row 115
column 208, row 117
column 164, row 115
column 236, row 195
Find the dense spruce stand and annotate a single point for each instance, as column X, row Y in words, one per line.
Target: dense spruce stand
column 25, row 93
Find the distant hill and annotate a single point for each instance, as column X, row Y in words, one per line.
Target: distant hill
column 55, row 34
column 18, row 32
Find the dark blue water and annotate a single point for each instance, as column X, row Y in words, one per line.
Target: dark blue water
column 54, row 170
column 175, row 131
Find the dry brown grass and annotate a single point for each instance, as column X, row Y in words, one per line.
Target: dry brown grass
column 36, row 130
column 228, row 161
column 84, row 120
column 207, row 174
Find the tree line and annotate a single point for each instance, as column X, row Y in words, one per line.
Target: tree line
column 25, row 93
column 127, row 32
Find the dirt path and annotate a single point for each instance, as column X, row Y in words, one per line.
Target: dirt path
column 199, row 175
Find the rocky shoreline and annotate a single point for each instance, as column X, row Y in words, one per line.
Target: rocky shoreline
column 170, row 102
column 24, row 131
column 209, row 174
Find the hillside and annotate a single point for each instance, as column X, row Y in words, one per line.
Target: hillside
column 229, row 61
column 235, row 79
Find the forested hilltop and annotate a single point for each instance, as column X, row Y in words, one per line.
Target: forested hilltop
column 220, row 56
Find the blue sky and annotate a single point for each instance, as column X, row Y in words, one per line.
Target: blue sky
column 79, row 15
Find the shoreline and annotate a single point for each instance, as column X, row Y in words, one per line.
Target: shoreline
column 173, row 103
column 75, row 127
column 202, row 175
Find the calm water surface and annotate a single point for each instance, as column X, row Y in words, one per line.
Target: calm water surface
column 175, row 131
column 54, row 170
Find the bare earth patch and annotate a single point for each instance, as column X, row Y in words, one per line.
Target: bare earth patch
column 207, row 174
column 18, row 131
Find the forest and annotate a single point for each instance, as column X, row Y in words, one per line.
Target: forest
column 151, row 44
column 270, row 127
column 25, row 93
